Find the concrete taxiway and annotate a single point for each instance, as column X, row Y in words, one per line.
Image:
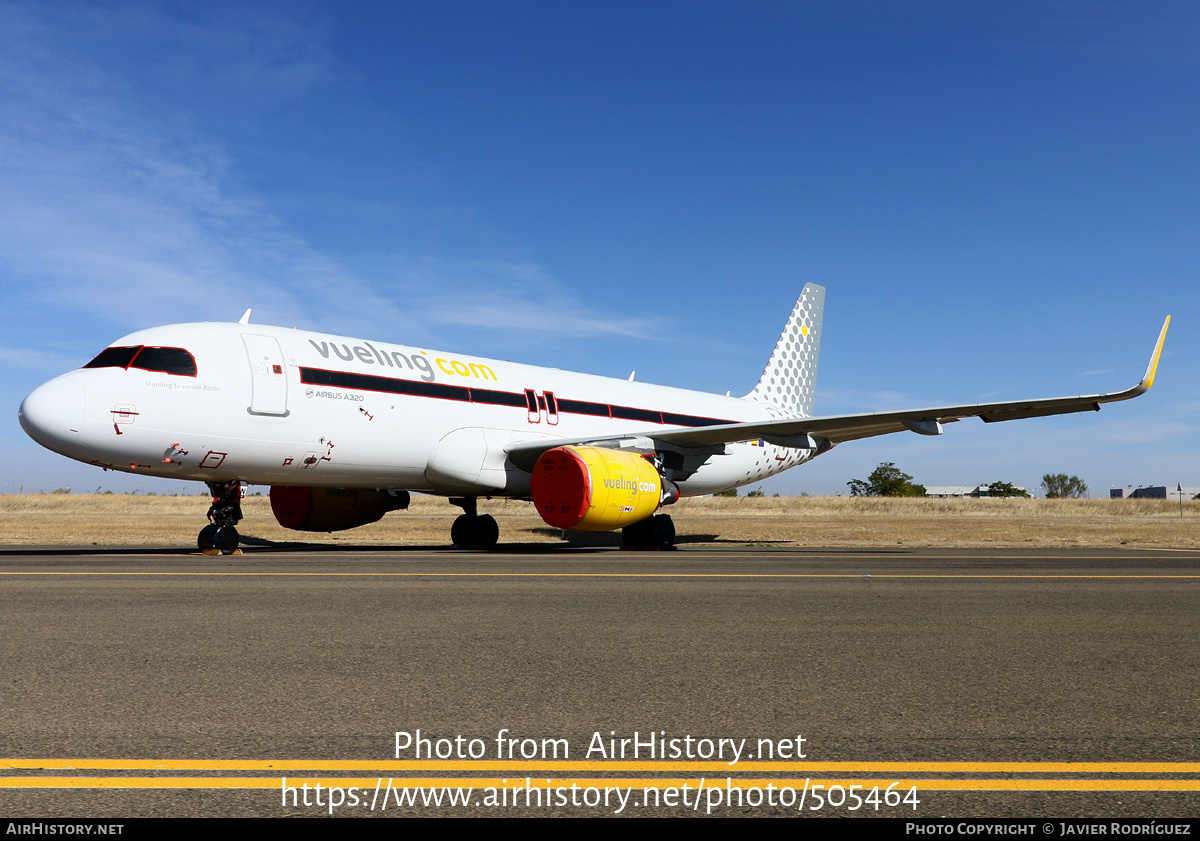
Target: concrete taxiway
column 980, row 665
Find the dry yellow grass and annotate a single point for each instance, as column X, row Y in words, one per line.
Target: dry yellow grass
column 858, row 521
column 116, row 519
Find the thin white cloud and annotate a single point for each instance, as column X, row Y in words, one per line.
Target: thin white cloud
column 111, row 210
column 519, row 299
column 114, row 205
column 853, row 401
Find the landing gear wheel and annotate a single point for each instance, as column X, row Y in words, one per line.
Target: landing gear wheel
column 207, row 539
column 226, row 540
column 218, row 540
column 487, row 532
column 664, row 531
column 460, row 531
column 657, row 532
column 475, row 532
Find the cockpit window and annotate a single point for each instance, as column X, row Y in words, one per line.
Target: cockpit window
column 167, row 360
column 114, row 357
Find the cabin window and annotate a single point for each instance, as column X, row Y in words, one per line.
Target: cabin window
column 166, row 360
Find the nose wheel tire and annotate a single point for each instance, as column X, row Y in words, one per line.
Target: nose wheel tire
column 207, row 539
column 218, row 540
column 479, row 532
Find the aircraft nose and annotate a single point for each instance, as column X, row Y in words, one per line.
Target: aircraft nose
column 52, row 414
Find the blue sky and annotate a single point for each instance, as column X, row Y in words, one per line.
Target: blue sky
column 1002, row 199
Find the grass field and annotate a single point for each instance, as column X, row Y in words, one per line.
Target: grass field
column 120, row 520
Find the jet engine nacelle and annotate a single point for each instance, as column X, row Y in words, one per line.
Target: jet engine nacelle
column 332, row 509
column 594, row 488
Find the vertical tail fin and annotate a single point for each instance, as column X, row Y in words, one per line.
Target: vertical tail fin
column 790, row 377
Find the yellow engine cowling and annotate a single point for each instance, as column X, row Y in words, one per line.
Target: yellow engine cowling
column 594, row 488
column 331, row 509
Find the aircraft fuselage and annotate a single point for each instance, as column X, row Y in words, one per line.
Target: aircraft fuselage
column 270, row 405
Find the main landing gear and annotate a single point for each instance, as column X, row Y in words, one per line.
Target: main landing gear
column 657, row 532
column 220, row 537
column 470, row 530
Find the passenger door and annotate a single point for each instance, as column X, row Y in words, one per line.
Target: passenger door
column 268, row 382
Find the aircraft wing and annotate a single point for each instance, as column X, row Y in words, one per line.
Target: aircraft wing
column 809, row 432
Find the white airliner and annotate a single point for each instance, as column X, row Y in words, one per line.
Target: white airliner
column 342, row 429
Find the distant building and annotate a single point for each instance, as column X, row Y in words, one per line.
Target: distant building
column 951, row 491
column 1152, row 492
column 948, row 490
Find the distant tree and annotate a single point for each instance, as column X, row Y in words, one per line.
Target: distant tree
column 756, row 492
column 1006, row 489
column 886, row 480
column 1062, row 486
column 730, row 492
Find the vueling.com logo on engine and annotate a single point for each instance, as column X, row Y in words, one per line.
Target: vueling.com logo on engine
column 623, row 484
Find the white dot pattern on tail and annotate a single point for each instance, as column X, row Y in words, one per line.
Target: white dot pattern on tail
column 790, row 377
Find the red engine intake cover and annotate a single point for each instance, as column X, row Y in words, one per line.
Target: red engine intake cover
column 331, row 509
column 291, row 506
column 561, row 487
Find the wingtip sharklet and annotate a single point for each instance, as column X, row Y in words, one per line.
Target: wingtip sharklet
column 1151, row 369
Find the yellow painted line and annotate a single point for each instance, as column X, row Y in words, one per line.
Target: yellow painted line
column 370, row 783
column 647, row 766
column 607, row 575
column 1165, row 549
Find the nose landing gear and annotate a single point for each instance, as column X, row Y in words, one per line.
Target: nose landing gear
column 220, row 537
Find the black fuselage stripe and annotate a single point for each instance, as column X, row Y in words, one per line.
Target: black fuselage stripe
column 492, row 397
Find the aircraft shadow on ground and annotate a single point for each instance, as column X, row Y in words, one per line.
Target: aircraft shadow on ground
column 263, row 546
column 253, row 546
